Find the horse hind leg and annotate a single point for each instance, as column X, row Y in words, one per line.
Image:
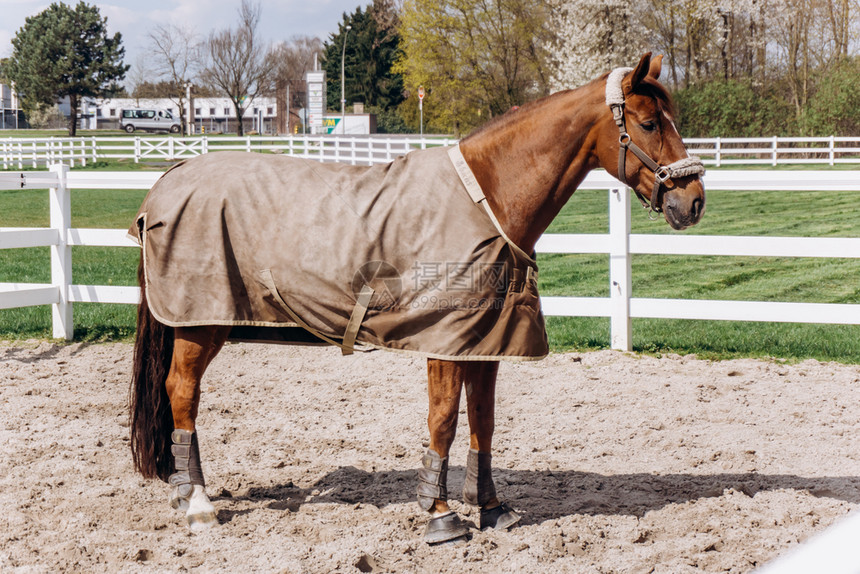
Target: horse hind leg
column 478, row 488
column 193, row 350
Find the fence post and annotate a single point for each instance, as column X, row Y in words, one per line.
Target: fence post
column 719, row 150
column 832, row 150
column 61, row 254
column 136, row 149
column 620, row 274
column 95, row 151
column 775, row 146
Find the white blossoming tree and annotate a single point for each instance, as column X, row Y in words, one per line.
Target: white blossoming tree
column 593, row 36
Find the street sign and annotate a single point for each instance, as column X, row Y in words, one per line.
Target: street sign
column 316, row 99
column 420, row 92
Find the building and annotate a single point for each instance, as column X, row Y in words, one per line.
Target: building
column 209, row 115
column 11, row 117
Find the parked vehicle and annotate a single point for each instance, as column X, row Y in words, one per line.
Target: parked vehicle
column 143, row 119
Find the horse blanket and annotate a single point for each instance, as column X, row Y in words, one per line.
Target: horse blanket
column 394, row 256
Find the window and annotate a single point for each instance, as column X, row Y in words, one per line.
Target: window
column 269, row 111
column 226, row 111
column 197, row 111
column 112, row 112
column 211, row 111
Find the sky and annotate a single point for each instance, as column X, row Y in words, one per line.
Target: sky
column 280, row 19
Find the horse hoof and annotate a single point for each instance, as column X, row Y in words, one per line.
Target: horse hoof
column 501, row 517
column 202, row 521
column 176, row 501
column 445, row 528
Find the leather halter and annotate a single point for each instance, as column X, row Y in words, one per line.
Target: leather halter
column 625, row 143
column 662, row 173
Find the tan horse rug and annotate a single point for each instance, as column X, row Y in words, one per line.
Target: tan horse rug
column 397, row 256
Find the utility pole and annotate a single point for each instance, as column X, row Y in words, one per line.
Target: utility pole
column 188, row 105
column 343, row 83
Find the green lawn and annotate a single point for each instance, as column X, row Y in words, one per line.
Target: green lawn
column 823, row 214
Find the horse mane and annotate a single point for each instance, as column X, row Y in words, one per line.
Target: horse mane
column 502, row 119
column 648, row 87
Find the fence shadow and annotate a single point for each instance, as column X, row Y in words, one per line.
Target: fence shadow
column 548, row 495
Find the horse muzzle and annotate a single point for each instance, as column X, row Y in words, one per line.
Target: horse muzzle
column 684, row 207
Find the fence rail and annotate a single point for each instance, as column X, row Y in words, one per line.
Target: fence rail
column 619, row 244
column 20, row 153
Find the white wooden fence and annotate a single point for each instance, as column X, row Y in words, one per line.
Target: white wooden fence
column 356, row 150
column 619, row 244
column 20, row 153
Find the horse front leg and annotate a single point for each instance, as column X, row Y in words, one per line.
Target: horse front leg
column 444, row 381
column 194, row 348
column 479, row 488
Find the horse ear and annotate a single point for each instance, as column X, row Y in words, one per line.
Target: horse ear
column 656, row 67
column 632, row 80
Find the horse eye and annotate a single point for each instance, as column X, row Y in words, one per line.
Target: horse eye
column 648, row 126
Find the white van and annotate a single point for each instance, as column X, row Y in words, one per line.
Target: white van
column 142, row 119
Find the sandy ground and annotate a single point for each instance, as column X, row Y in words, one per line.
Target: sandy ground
column 618, row 463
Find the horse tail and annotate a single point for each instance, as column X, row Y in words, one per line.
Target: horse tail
column 149, row 404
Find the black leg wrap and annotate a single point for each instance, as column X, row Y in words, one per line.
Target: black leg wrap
column 478, row 488
column 432, row 479
column 186, row 457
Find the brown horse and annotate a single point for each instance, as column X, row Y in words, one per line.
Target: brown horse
column 527, row 164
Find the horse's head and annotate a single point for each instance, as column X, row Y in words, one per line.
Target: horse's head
column 639, row 144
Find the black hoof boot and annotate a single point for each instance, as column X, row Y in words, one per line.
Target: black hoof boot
column 501, row 517
column 445, row 528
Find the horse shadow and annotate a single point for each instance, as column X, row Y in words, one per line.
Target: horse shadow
column 549, row 495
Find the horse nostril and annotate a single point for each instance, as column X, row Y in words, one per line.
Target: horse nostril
column 696, row 209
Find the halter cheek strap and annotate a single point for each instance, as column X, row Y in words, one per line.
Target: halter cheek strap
column 683, row 167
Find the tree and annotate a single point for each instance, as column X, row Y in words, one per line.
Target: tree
column 176, row 56
column 65, row 52
column 475, row 58
column 239, row 62
column 372, row 47
column 594, row 36
column 290, row 61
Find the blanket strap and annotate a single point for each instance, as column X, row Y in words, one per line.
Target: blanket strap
column 358, row 313
column 347, row 346
column 477, row 195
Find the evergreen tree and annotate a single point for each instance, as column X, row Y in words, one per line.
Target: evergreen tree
column 372, row 47
column 64, row 51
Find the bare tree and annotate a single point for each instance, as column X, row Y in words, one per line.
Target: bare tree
column 139, row 74
column 177, row 54
column 289, row 63
column 239, row 61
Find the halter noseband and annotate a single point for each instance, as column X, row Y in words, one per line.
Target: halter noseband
column 683, row 167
